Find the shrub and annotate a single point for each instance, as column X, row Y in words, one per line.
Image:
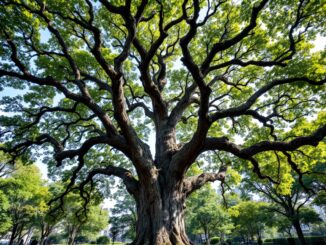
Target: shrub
column 317, row 240
column 103, row 240
column 314, row 240
column 291, row 241
column 215, row 240
column 56, row 239
column 82, row 239
column 279, row 241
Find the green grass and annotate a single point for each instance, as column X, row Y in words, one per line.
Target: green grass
column 115, row 243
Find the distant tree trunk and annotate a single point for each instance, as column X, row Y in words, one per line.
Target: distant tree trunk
column 72, row 235
column 288, row 231
column 259, row 238
column 42, row 239
column 29, row 235
column 45, row 232
column 114, row 234
column 297, row 226
column 13, row 234
column 208, row 242
column 21, row 234
column 113, row 239
column 42, row 233
column 205, row 228
column 222, row 235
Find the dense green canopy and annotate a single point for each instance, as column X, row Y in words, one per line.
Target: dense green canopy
column 141, row 90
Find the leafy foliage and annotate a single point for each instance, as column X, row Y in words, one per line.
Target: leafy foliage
column 227, row 85
column 124, row 215
column 24, row 197
column 206, row 215
column 251, row 218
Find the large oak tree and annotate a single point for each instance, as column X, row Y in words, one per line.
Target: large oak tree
column 97, row 78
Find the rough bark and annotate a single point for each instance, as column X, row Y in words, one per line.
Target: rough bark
column 161, row 214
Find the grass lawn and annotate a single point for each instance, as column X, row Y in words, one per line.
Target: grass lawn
column 115, row 243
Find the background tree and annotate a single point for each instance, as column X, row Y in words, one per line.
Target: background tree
column 309, row 216
column 5, row 220
column 289, row 199
column 289, row 205
column 5, row 168
column 80, row 220
column 25, row 192
column 47, row 220
column 206, row 215
column 97, row 220
column 284, row 225
column 98, row 78
column 250, row 219
column 320, row 202
column 123, row 215
column 114, row 231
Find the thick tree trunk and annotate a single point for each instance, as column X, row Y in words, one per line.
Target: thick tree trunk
column 160, row 214
column 297, row 226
